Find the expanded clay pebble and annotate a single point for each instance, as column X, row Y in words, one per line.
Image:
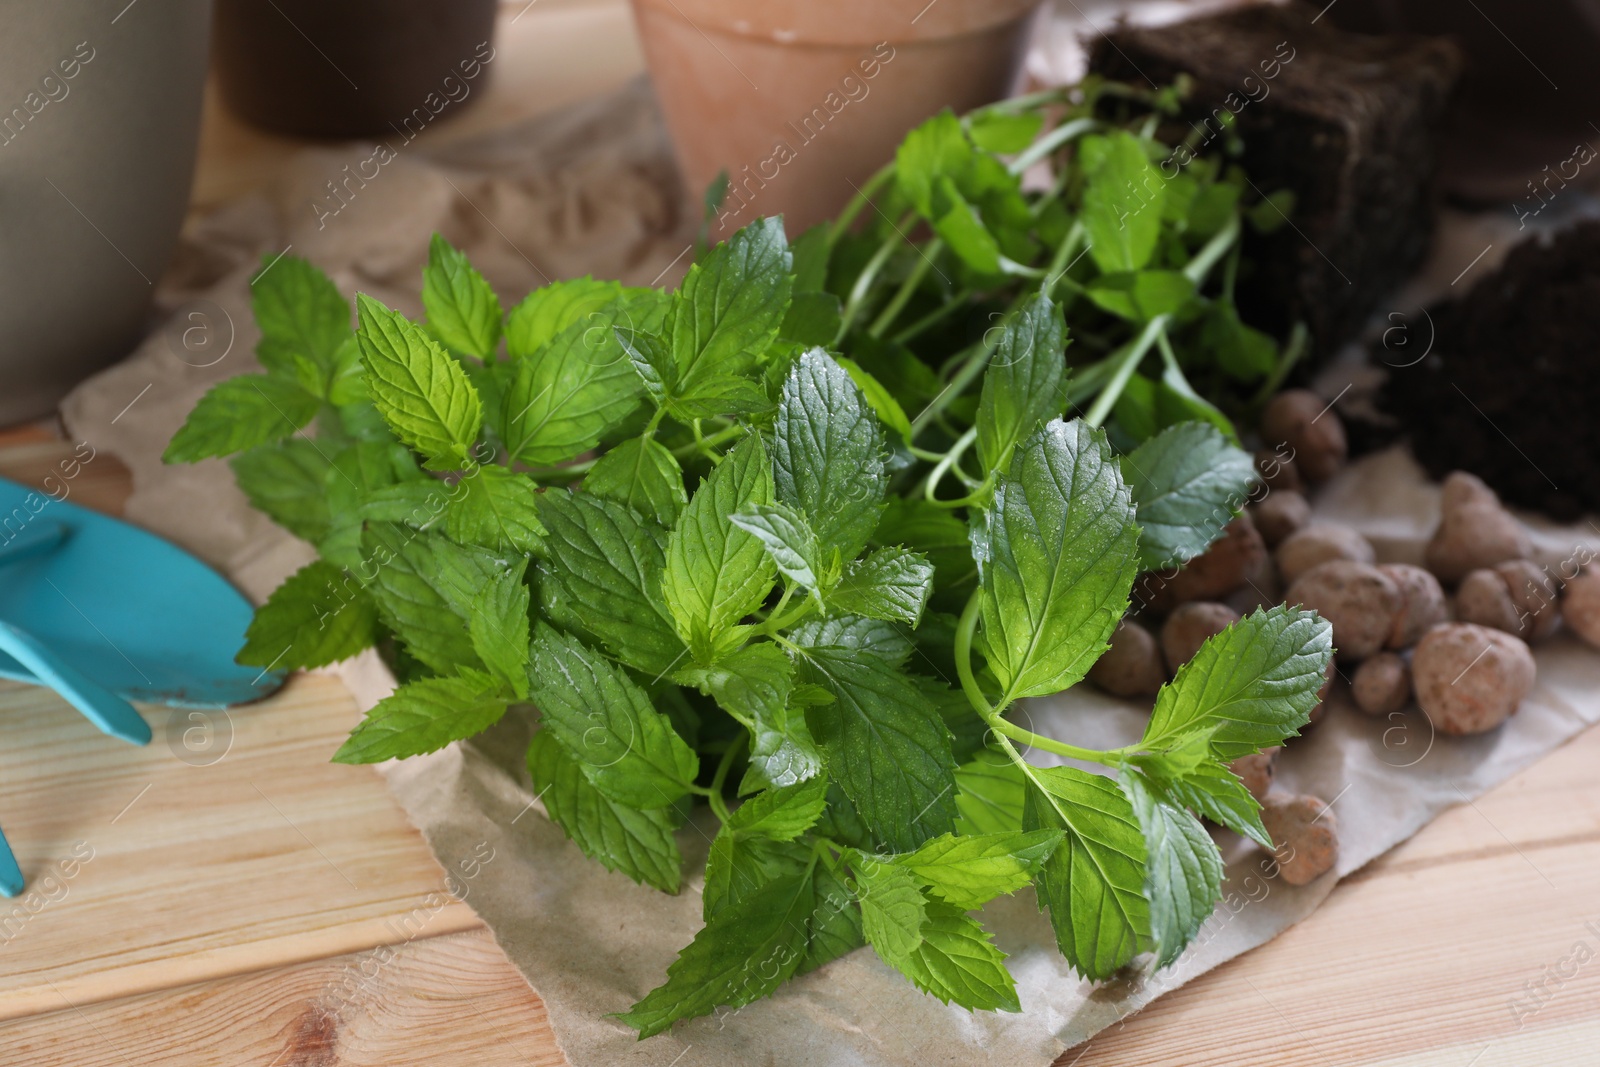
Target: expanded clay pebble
column 1304, row 423
column 1256, row 770
column 1470, row 678
column 1279, row 514
column 1580, row 606
column 1357, row 599
column 1277, row 470
column 1131, row 666
column 1422, row 603
column 1222, row 568
column 1316, row 544
column 1188, row 627
column 1307, row 836
column 1382, row 684
column 1515, row 596
column 1474, row 530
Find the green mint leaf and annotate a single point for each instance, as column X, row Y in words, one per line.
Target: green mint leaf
column 784, row 813
column 424, row 716
column 738, row 865
column 546, row 312
column 1183, row 879
column 651, row 360
column 424, row 586
column 1093, row 883
column 957, row 962
column 422, row 393
column 463, row 312
column 641, row 473
column 885, row 744
column 755, row 685
column 879, row 398
column 359, row 472
column 855, row 633
column 601, row 573
column 892, row 584
column 240, row 413
column 989, row 795
column 1188, row 482
column 827, row 454
column 729, row 308
column 318, row 616
column 498, row 627
column 936, row 148
column 1005, row 133
column 811, row 252
column 1140, row 296
column 970, row 871
column 1026, row 383
column 961, row 227
column 835, row 923
column 1122, row 202
column 604, row 720
column 287, row 482
column 747, row 950
column 934, row 532
column 561, row 399
column 305, row 324
column 1210, row 789
column 1243, row 352
column 1058, row 554
column 724, row 394
column 495, row 507
column 638, row 844
column 813, row 318
column 893, row 907
column 788, row 539
column 717, row 573
column 1255, row 683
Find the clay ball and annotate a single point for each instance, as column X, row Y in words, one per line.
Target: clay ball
column 1474, row 530
column 1280, row 514
column 1422, row 603
column 1307, row 836
column 1470, row 678
column 1132, row 666
column 1357, row 599
column 1188, row 627
column 1580, row 606
column 1318, row 543
column 1255, row 771
column 1382, row 684
column 1307, row 425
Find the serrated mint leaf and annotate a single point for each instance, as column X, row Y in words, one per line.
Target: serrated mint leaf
column 1057, row 550
column 989, row 795
column 1026, row 381
column 642, row 474
column 1140, row 296
column 783, row 813
column 937, row 147
column 1093, row 883
column 424, row 586
column 855, row 633
column 1255, row 683
column 424, row 716
column 835, row 926
column 417, row 504
column 891, row 584
column 286, row 481
column 737, row 866
column 788, row 539
column 1122, row 202
column 495, row 507
column 358, row 473
column 725, row 394
column 1183, row 876
column 601, row 573
column 892, row 906
column 827, row 454
column 885, row 744
column 318, row 616
column 755, row 685
column 970, row 871
column 304, row 322
column 651, row 360
column 1005, row 132
column 498, row 627
column 1188, row 482
column 813, row 318
column 463, row 312
column 730, row 305
column 559, row 400
column 547, row 311
column 1211, row 790
column 422, row 393
column 957, row 962
column 638, row 844
column 717, row 573
column 240, row 413
column 746, row 950
column 604, row 720
column 961, row 226
column 888, row 409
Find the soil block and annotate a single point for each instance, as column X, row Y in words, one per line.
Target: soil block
column 1346, row 121
column 1508, row 358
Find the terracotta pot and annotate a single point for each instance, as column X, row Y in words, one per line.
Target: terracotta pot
column 101, row 115
column 801, row 100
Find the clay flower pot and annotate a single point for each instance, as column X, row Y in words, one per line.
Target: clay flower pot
column 801, row 100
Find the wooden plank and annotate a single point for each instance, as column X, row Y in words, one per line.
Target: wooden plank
column 441, row 1000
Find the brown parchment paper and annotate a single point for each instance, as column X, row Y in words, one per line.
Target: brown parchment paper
column 593, row 191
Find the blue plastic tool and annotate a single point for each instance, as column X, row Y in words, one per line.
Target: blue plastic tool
column 105, row 613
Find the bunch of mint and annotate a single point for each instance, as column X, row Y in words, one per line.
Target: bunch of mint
column 791, row 643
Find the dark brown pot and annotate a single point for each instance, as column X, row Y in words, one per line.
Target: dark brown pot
column 348, row 68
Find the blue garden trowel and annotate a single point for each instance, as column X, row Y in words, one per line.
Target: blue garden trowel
column 105, row 613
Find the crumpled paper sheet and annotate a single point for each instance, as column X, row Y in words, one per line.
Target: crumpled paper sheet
column 593, row 191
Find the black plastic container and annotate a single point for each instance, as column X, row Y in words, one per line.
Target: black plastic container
column 349, row 68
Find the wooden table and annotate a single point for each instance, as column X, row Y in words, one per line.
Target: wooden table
column 236, row 899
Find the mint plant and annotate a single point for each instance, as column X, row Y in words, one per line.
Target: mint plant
column 700, row 534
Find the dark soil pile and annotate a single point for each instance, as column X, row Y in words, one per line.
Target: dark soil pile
column 1344, row 120
column 1510, row 390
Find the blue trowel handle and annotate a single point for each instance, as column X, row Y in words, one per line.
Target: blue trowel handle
column 32, row 540
column 99, row 705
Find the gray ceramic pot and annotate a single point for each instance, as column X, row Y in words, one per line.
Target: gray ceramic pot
column 99, row 119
